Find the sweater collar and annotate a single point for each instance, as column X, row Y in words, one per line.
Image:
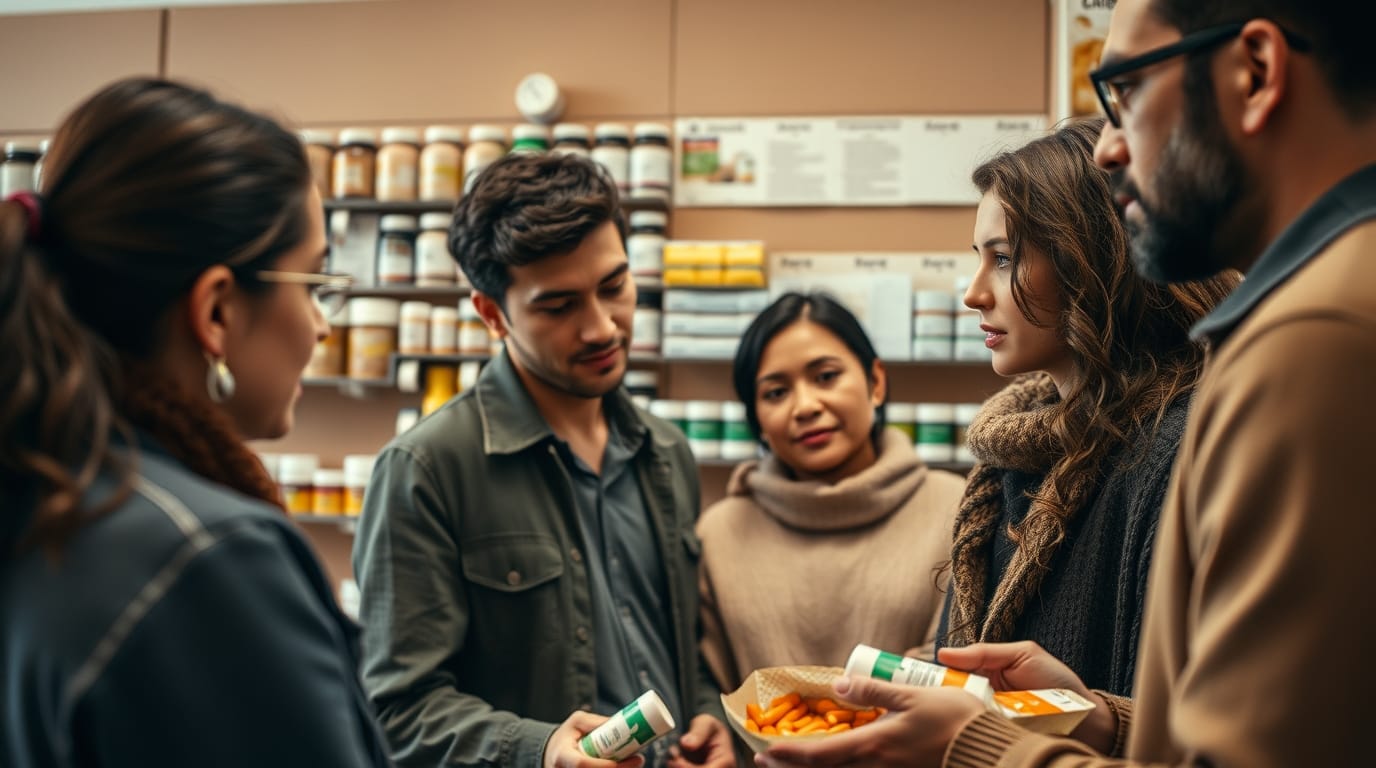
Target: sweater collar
column 859, row 500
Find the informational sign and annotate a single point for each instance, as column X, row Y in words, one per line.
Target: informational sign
column 1078, row 31
column 839, row 161
column 877, row 287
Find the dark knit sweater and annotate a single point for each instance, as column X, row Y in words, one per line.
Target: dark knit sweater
column 1088, row 612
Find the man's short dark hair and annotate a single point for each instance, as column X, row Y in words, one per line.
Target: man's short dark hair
column 1339, row 32
column 526, row 207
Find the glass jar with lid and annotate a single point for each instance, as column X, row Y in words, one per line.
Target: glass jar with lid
column 611, row 148
column 396, row 250
column 645, row 245
column 572, row 139
column 16, row 173
column 354, row 163
column 529, row 138
column 441, row 162
column 486, row 145
column 434, row 266
column 397, row 162
column 651, row 162
column 319, row 147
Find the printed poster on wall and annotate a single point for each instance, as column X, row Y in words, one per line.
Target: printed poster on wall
column 877, row 286
column 839, row 161
column 1078, row 31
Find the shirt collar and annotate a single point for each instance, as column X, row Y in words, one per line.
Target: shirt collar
column 1352, row 201
column 511, row 422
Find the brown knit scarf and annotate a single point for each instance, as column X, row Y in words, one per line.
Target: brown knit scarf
column 198, row 435
column 1012, row 431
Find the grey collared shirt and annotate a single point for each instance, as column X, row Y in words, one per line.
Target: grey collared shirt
column 633, row 636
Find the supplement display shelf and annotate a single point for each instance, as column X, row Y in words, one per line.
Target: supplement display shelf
column 726, row 361
column 407, row 292
column 347, row 523
column 351, row 387
column 414, row 207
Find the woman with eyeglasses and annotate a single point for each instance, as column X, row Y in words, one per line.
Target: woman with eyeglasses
column 157, row 309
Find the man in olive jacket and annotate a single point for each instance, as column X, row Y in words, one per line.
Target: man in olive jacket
column 526, row 553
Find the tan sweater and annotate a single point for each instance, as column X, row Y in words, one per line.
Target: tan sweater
column 1258, row 641
column 799, row 572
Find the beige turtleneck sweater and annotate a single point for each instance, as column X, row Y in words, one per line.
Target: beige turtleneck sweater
column 799, row 571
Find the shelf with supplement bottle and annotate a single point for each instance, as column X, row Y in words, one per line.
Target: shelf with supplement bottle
column 416, row 207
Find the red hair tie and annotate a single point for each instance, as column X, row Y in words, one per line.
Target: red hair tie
column 33, row 209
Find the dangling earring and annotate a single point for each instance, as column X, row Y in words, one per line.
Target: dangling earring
column 219, row 382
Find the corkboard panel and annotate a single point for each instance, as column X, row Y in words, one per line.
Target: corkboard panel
column 427, row 60
column 822, row 57
column 52, row 62
column 831, row 229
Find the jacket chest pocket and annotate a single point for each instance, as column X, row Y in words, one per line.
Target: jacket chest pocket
column 512, row 562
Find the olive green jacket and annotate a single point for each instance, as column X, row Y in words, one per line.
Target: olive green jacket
column 476, row 605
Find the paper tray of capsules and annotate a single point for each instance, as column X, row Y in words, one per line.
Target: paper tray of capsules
column 1051, row 711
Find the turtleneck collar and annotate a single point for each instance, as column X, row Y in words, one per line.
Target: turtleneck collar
column 859, row 500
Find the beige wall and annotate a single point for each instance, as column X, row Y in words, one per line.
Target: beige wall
column 421, row 61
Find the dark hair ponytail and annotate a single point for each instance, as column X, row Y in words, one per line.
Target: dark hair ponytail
column 56, row 413
column 147, row 184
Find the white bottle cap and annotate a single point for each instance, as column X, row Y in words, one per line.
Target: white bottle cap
column 358, row 136
column 358, row 469
column 297, row 468
column 328, row 478
column 316, row 136
column 479, row 133
column 396, row 135
column 374, row 311
column 538, row 98
column 649, row 219
column 450, row 133
column 610, row 131
column 669, row 410
column 435, row 220
column 571, row 131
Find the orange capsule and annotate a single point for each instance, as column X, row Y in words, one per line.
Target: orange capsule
column 769, row 730
column 793, row 714
column 793, row 699
column 839, row 727
column 824, row 706
column 753, row 711
column 774, row 714
column 751, row 726
column 839, row 716
column 864, row 716
column 818, row 726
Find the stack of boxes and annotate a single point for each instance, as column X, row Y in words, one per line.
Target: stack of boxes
column 714, row 263
column 707, row 325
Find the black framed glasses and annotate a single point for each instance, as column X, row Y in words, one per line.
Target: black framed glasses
column 328, row 291
column 1106, row 79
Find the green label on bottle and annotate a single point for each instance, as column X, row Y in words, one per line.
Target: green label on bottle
column 885, row 665
column 940, row 434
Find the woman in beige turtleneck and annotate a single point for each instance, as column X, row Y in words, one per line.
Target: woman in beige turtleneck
column 836, row 536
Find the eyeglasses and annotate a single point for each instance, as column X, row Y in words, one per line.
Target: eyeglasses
column 1109, row 88
column 328, row 291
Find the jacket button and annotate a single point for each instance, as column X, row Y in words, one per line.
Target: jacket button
column 582, row 634
column 575, row 555
column 513, row 578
